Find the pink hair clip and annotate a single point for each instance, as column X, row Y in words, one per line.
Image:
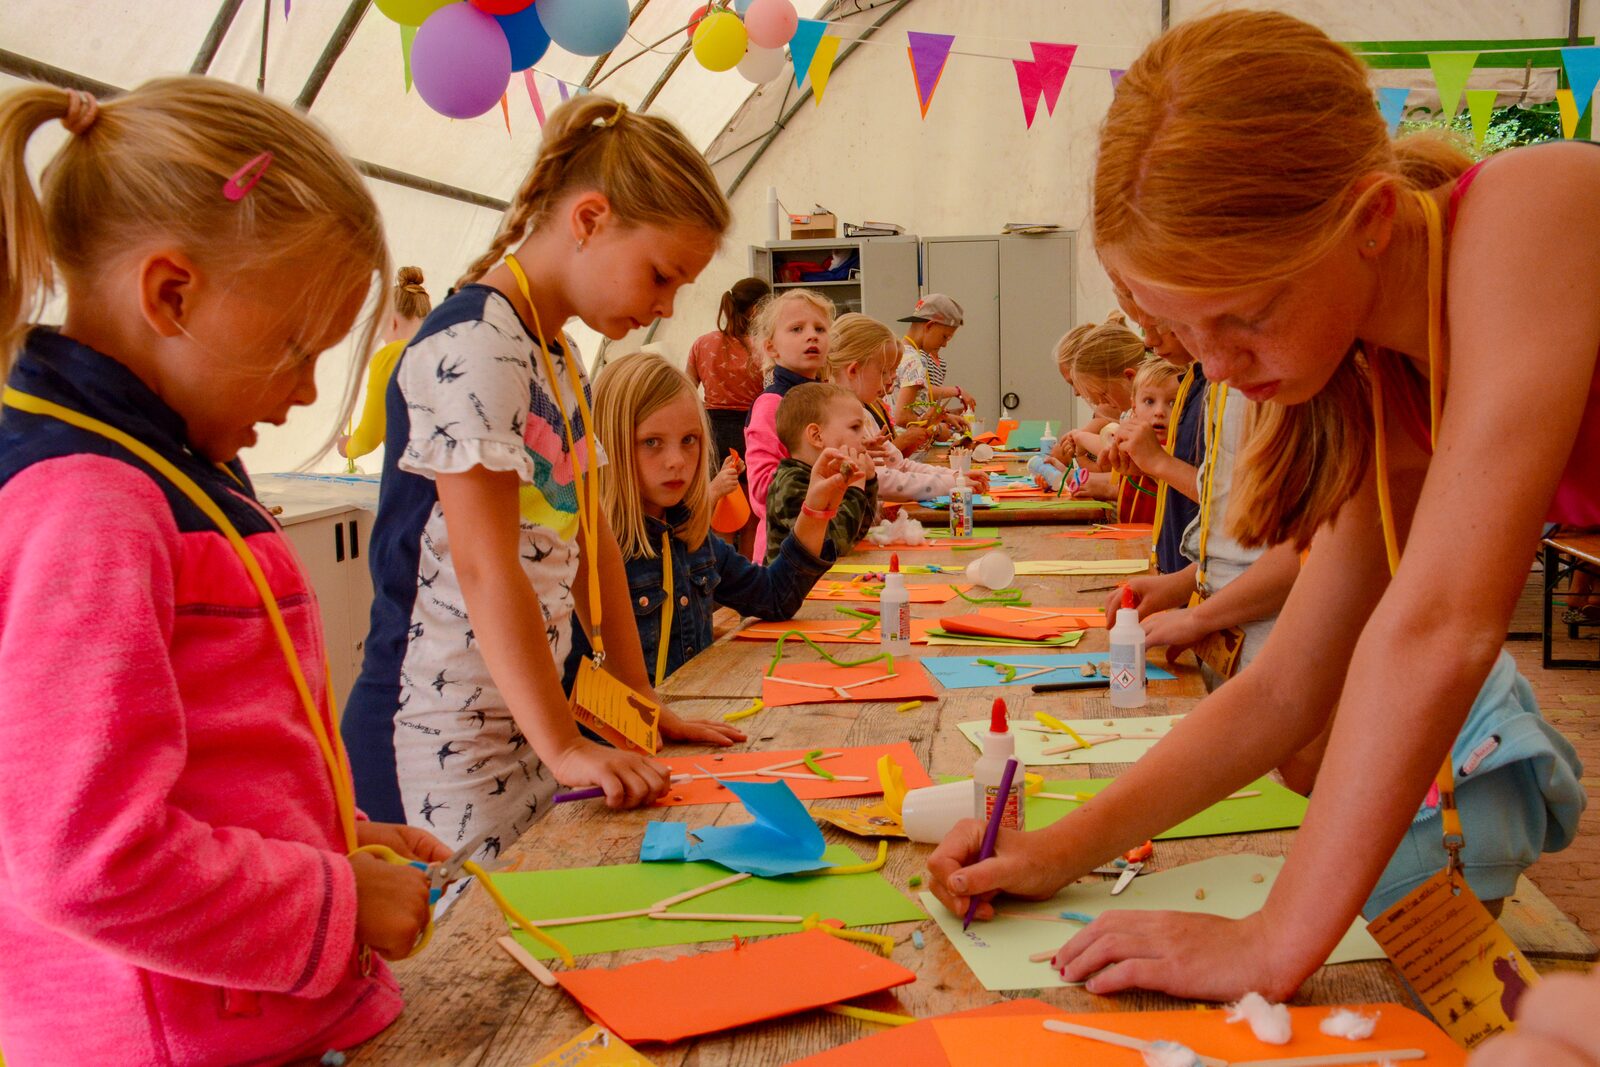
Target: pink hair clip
column 245, row 178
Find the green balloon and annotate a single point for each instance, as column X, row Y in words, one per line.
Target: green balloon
column 410, row 12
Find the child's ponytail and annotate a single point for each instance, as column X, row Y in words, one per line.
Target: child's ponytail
column 26, row 245
column 737, row 308
column 643, row 165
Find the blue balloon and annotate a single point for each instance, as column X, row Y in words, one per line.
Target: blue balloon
column 585, row 27
column 527, row 36
column 741, row 6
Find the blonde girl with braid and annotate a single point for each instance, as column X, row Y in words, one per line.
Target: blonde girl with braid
column 482, row 559
column 411, row 306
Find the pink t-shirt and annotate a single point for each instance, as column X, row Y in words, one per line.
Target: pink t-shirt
column 730, row 375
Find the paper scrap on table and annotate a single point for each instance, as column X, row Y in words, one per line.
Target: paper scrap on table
column 917, row 1043
column 1037, row 567
column 909, row 682
column 998, row 950
column 871, row 592
column 841, row 631
column 1138, row 734
column 941, row 637
column 595, row 1047
column 1128, row 531
column 1027, row 624
column 965, row 672
column 852, row 760
column 708, row 992
column 782, row 839
column 882, row 819
column 1276, row 808
column 865, row 899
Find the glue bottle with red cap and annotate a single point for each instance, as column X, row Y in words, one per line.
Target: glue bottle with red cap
column 999, row 745
column 1127, row 655
column 894, row 612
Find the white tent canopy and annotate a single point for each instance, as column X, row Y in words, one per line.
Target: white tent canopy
column 969, row 166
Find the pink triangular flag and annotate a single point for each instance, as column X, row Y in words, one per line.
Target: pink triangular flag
column 1054, row 60
column 533, row 96
column 505, row 112
column 1116, row 77
column 929, row 52
column 1029, row 87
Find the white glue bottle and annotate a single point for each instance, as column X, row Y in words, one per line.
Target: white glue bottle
column 1047, row 440
column 1127, row 655
column 961, row 506
column 894, row 612
column 998, row 746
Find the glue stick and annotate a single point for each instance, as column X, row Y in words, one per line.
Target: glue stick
column 1127, row 655
column 894, row 612
column 961, row 506
column 998, row 746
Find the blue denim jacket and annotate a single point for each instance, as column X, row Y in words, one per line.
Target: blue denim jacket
column 714, row 574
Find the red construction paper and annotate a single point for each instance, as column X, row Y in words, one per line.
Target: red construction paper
column 916, row 1043
column 910, row 682
column 705, row 992
column 857, row 759
column 1126, row 531
column 827, row 631
column 972, row 1042
column 1021, row 492
column 869, row 592
column 1019, row 623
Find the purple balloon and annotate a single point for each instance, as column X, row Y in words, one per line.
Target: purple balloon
column 460, row 61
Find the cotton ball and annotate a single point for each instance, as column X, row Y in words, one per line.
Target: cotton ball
column 1169, row 1054
column 1269, row 1022
column 1342, row 1022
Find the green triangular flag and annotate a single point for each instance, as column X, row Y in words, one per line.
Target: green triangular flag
column 1480, row 105
column 1450, row 70
column 407, row 35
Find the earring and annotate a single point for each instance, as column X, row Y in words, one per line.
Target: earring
column 1370, row 243
column 580, row 245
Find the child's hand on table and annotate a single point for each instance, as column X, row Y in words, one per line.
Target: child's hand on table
column 391, row 903
column 628, row 778
column 1156, row 592
column 979, row 481
column 698, row 731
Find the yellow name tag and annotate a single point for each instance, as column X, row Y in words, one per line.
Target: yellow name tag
column 1462, row 965
column 614, row 711
column 595, row 1047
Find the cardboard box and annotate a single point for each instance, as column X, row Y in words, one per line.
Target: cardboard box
column 818, row 224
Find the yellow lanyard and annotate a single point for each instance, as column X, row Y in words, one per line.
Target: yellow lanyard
column 927, row 382
column 588, row 495
column 1454, row 838
column 1216, row 406
column 1172, row 443
column 666, row 607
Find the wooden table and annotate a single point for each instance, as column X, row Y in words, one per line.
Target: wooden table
column 468, row 1003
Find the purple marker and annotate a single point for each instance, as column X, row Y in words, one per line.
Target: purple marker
column 579, row 794
column 992, row 831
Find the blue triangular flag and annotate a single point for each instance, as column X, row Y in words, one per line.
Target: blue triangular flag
column 803, row 45
column 1392, row 105
column 1583, row 71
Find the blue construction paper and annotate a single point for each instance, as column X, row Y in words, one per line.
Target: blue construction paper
column 978, row 501
column 782, row 840
column 965, row 672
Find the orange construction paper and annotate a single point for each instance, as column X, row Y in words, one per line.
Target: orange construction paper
column 916, row 1043
column 1127, row 531
column 1021, row 624
column 910, row 682
column 828, row 631
column 869, row 592
column 706, row 992
column 854, row 760
column 972, row 1042
column 1021, row 492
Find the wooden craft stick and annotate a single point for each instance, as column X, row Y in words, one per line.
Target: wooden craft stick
column 700, row 891
column 726, row 917
column 1337, row 1058
column 575, row 920
column 819, row 778
column 1080, row 798
column 1042, row 957
column 525, row 958
column 1061, row 1026
column 1241, row 794
column 1073, row 746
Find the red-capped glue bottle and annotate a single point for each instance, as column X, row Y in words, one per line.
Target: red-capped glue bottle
column 999, row 745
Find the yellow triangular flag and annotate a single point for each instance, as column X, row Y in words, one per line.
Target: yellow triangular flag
column 1480, row 105
column 822, row 66
column 1569, row 112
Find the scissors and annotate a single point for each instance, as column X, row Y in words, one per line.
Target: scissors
column 440, row 875
column 1128, row 867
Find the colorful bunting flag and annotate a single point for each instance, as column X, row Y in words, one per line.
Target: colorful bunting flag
column 1053, row 61
column 505, row 112
column 533, row 96
column 1583, row 71
column 1450, row 71
column 1569, row 113
column 1392, row 106
column 1116, row 78
column 929, row 52
column 407, row 35
column 561, row 87
column 803, row 46
column 1029, row 86
column 1480, row 105
column 822, row 66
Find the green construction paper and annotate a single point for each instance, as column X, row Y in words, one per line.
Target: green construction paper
column 937, row 636
column 1276, row 808
column 998, row 950
column 1052, row 505
column 1450, row 73
column 858, row 899
column 1026, row 433
column 1030, row 741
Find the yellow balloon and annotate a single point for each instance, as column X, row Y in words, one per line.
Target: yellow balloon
column 410, row 12
column 720, row 41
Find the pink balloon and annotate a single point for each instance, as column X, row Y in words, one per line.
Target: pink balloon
column 770, row 23
column 460, row 61
column 694, row 20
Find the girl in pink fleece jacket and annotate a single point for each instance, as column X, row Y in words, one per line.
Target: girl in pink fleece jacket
column 790, row 334
column 178, row 876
